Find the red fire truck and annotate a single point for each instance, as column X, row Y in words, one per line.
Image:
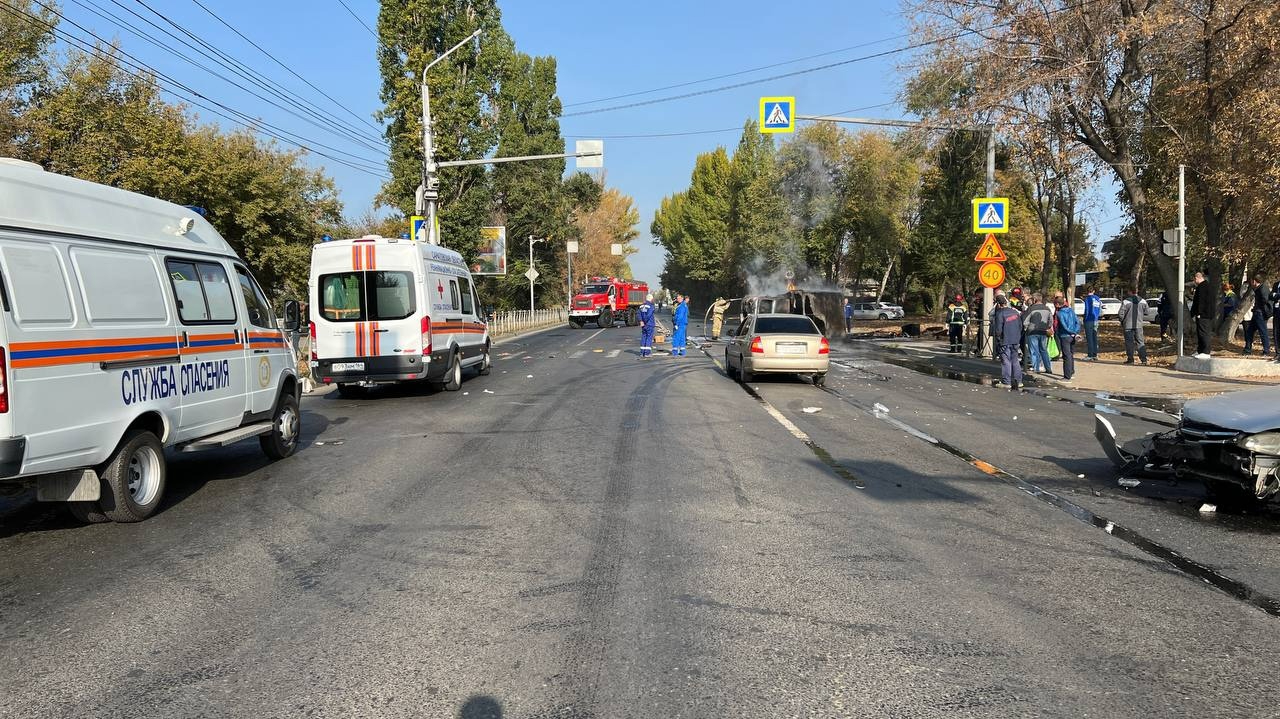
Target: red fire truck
column 605, row 300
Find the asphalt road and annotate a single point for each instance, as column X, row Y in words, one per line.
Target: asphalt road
column 586, row 534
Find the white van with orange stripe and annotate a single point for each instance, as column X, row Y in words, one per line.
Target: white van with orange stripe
column 387, row 310
column 127, row 325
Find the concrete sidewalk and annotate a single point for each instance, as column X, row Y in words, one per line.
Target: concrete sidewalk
column 1110, row 376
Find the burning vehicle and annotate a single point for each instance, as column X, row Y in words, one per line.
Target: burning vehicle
column 1231, row 443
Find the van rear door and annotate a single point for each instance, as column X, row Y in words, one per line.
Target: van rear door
column 368, row 311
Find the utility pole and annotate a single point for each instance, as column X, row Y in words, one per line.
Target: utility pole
column 1182, row 255
column 427, row 198
column 988, row 294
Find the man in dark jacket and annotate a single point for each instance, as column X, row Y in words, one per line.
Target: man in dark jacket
column 1006, row 329
column 1262, row 310
column 1204, row 307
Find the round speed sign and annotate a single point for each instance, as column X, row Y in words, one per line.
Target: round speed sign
column 991, row 274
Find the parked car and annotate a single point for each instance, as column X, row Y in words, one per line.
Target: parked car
column 777, row 344
column 1153, row 309
column 1078, row 305
column 1110, row 307
column 877, row 311
column 1231, row 443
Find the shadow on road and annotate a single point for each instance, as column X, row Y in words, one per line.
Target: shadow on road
column 481, row 706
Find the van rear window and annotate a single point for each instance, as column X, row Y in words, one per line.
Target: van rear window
column 366, row 296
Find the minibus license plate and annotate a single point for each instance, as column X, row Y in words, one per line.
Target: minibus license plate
column 348, row 366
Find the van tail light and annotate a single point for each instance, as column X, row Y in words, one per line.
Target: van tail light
column 757, row 346
column 4, row 383
column 426, row 336
column 315, row 357
column 824, row 347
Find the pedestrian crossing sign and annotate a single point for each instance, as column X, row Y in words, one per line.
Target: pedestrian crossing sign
column 990, row 214
column 777, row 114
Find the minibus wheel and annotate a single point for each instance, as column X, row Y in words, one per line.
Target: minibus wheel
column 286, row 424
column 453, row 378
column 133, row 479
column 87, row 512
column 486, row 363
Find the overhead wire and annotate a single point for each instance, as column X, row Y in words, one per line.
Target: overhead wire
column 290, row 70
column 736, row 128
column 804, row 71
column 326, row 122
column 130, row 66
column 358, row 19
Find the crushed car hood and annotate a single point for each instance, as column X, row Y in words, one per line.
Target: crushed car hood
column 1250, row 411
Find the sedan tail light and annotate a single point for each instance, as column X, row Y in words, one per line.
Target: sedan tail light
column 426, row 337
column 757, row 346
column 312, row 329
column 824, row 347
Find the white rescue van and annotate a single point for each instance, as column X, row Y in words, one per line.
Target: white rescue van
column 387, row 310
column 129, row 325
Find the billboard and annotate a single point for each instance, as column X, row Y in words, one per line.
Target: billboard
column 492, row 256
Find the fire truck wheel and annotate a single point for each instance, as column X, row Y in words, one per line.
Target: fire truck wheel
column 486, row 363
column 631, row 318
column 605, row 320
column 453, row 378
column 575, row 324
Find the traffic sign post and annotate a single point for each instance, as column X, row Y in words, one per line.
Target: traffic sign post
column 777, row 114
column 990, row 216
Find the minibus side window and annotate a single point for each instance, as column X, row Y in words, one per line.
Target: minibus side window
column 467, row 307
column 203, row 292
column 259, row 308
column 453, row 293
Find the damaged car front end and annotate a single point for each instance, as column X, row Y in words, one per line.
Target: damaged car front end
column 1230, row 443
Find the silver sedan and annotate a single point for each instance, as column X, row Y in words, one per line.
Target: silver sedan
column 778, row 344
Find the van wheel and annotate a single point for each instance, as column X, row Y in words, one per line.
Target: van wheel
column 486, row 361
column 286, row 425
column 87, row 512
column 453, row 379
column 605, row 319
column 350, row 391
column 133, row 479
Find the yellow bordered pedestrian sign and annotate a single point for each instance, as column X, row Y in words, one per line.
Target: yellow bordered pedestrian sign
column 990, row 214
column 777, row 114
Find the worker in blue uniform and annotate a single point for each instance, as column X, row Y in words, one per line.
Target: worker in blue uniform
column 648, row 321
column 680, row 333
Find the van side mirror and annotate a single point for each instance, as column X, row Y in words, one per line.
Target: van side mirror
column 292, row 316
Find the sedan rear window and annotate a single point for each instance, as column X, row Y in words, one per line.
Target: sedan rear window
column 797, row 325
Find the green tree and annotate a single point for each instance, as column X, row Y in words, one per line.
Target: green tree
column 23, row 64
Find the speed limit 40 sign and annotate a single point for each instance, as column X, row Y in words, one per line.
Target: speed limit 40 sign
column 991, row 274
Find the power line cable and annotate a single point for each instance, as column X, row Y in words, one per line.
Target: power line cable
column 286, row 67
column 359, row 20
column 327, row 123
column 737, row 128
column 144, row 72
column 740, row 72
column 804, row 71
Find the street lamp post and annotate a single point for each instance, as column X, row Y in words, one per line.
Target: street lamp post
column 532, row 274
column 428, row 196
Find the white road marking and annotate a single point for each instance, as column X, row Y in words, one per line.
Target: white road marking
column 613, row 353
column 577, row 354
column 588, row 339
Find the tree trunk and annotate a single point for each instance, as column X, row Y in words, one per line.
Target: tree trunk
column 884, row 280
column 1138, row 267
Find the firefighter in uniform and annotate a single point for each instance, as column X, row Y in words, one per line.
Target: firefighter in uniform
column 957, row 318
column 648, row 320
column 717, row 317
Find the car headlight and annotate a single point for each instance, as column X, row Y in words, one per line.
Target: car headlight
column 1264, row 443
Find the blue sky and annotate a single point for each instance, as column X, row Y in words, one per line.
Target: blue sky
column 602, row 49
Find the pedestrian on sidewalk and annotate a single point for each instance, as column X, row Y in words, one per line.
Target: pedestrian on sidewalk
column 991, row 323
column 1006, row 330
column 1262, row 311
column 1229, row 300
column 1066, row 328
column 1037, row 324
column 1092, row 313
column 1275, row 311
column 648, row 322
column 957, row 318
column 1203, row 310
column 1164, row 314
column 680, row 326
column 1133, row 313
column 848, row 317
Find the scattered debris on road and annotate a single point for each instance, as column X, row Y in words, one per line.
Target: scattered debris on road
column 1207, row 508
column 811, row 410
column 488, row 391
